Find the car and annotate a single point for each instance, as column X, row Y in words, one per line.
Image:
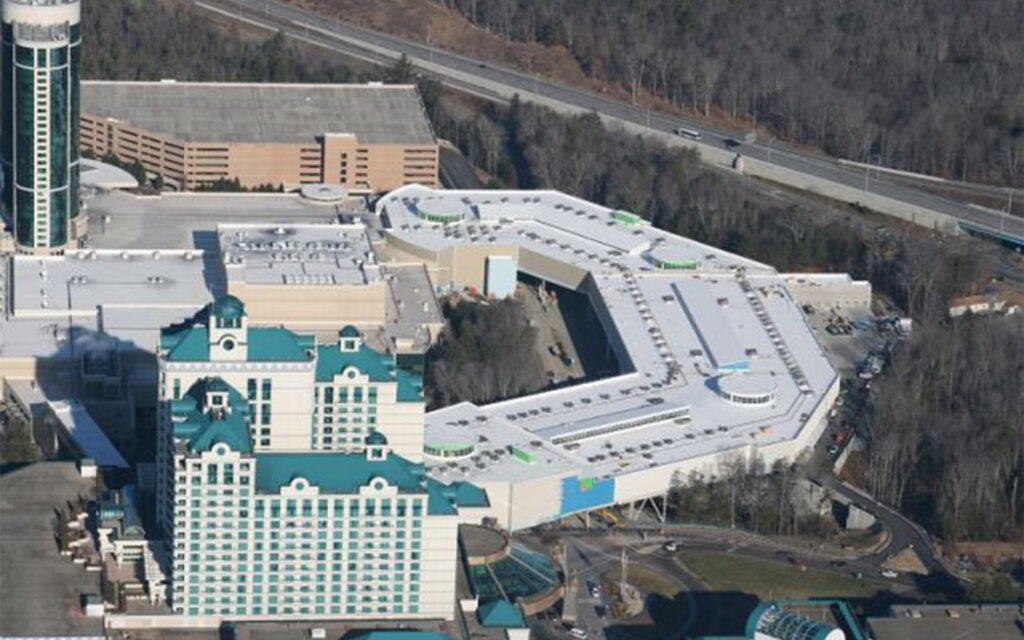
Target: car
column 838, row 563
column 833, row 449
column 595, row 591
column 576, row 632
column 889, row 573
column 671, row 546
column 601, row 611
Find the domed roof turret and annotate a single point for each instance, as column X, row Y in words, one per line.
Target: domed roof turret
column 228, row 308
column 349, row 332
column 376, row 439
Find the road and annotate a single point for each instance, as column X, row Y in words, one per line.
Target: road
column 496, row 82
column 456, row 172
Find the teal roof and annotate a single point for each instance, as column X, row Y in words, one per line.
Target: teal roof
column 376, row 438
column 347, row 472
column 265, row 344
column 202, row 428
column 402, row 635
column 468, row 494
column 500, row 613
column 380, row 367
column 330, row 361
column 190, row 344
column 446, row 499
column 410, row 386
column 277, row 344
column 335, row 472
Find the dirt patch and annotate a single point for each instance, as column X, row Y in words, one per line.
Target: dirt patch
column 906, row 561
column 986, row 555
column 432, row 24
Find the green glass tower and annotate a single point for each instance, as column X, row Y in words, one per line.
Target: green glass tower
column 40, row 95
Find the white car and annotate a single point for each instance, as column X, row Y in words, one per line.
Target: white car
column 576, row 632
column 672, row 546
column 889, row 573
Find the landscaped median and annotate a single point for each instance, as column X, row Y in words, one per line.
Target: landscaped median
column 770, row 580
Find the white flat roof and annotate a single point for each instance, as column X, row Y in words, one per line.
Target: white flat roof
column 708, row 315
column 300, row 254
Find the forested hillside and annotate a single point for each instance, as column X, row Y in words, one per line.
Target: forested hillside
column 151, row 40
column 932, row 86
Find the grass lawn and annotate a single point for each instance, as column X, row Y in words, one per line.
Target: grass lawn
column 665, row 612
column 647, row 580
column 770, row 580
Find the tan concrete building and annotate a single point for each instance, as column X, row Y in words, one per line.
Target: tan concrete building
column 363, row 137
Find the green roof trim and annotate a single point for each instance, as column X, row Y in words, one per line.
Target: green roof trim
column 501, row 613
column 431, row 216
column 678, row 264
column 628, row 218
column 203, row 427
column 524, row 456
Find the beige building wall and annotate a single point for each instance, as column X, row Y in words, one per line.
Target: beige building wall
column 542, row 266
column 338, row 159
column 468, row 263
column 312, row 306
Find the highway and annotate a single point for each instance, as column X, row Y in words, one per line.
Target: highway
column 496, row 82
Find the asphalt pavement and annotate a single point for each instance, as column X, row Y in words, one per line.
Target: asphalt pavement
column 494, row 81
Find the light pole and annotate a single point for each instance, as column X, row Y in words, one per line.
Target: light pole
column 430, row 46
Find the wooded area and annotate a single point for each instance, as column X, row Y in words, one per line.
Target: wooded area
column 151, row 40
column 944, row 442
column 486, row 352
column 933, row 86
column 944, row 428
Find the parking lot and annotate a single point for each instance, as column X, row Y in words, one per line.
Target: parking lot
column 854, row 335
column 41, row 591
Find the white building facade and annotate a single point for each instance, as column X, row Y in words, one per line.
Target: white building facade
column 304, row 535
column 293, row 386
